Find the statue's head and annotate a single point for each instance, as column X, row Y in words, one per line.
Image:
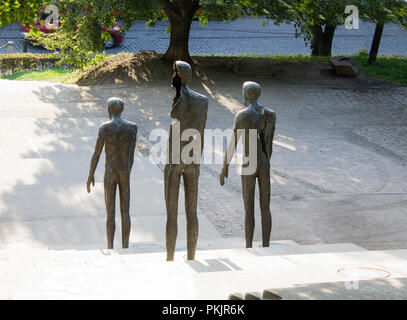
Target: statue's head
column 251, row 92
column 115, row 107
column 184, row 71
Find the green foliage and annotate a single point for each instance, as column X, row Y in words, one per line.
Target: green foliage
column 70, row 49
column 80, row 36
column 12, row 11
column 82, row 21
column 225, row 10
column 310, row 13
column 51, row 75
column 386, row 67
column 276, row 10
column 17, row 62
column 401, row 15
column 305, row 14
column 383, row 11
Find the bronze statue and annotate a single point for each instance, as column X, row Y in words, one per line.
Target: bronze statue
column 189, row 110
column 119, row 137
column 263, row 120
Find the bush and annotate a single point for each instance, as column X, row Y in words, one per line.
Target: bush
column 17, row 62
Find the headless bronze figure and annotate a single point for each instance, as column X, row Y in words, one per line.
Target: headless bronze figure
column 189, row 110
column 264, row 121
column 119, row 137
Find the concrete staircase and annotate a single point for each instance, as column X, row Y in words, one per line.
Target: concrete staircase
column 381, row 289
column 286, row 270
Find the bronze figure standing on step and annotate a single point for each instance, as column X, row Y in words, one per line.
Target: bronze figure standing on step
column 189, row 111
column 263, row 120
column 118, row 136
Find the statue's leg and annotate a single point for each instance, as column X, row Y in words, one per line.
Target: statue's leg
column 264, row 192
column 249, row 187
column 110, row 201
column 191, row 177
column 124, row 189
column 172, row 176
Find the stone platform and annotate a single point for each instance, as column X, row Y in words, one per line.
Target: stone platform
column 287, row 269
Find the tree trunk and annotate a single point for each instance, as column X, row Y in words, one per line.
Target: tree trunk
column 321, row 43
column 180, row 13
column 316, row 40
column 179, row 39
column 326, row 40
column 376, row 43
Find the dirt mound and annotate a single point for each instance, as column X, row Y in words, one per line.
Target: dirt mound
column 147, row 66
column 278, row 70
column 126, row 68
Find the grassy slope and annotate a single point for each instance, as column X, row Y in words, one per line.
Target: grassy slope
column 387, row 68
column 281, row 57
column 51, row 75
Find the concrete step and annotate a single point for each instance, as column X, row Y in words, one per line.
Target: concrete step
column 206, row 243
column 381, row 289
column 215, row 274
column 282, row 249
column 277, row 247
column 236, row 243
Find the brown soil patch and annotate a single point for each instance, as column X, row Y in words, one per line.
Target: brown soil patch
column 145, row 67
column 127, row 68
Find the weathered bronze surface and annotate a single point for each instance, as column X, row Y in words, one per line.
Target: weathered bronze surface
column 189, row 110
column 119, row 137
column 262, row 119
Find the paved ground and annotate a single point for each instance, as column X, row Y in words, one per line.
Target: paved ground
column 242, row 36
column 338, row 170
column 46, row 149
column 337, row 174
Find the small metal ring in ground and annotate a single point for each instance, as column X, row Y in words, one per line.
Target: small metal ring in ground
column 363, row 273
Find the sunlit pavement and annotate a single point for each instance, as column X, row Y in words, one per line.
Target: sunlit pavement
column 241, row 36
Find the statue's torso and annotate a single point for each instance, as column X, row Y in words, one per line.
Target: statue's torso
column 119, row 140
column 190, row 112
column 261, row 119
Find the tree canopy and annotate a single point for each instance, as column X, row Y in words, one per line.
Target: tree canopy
column 12, row 11
column 384, row 11
column 81, row 36
column 81, row 20
column 381, row 12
